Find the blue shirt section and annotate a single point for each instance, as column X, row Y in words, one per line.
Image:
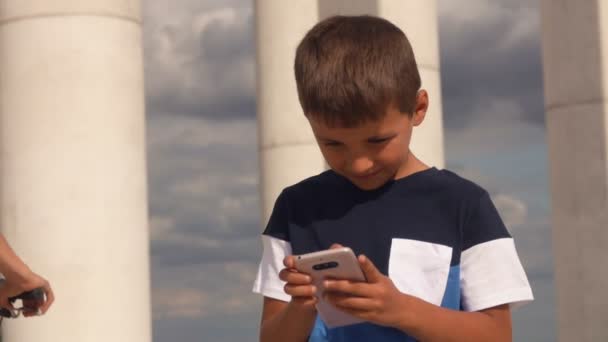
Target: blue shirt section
column 451, row 297
column 364, row 332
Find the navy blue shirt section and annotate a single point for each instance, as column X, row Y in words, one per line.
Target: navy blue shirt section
column 435, row 206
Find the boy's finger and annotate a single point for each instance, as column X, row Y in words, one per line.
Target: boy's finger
column 369, row 270
column 295, row 278
column 347, row 287
column 335, row 245
column 285, row 273
column 300, row 291
column 350, row 302
column 288, row 261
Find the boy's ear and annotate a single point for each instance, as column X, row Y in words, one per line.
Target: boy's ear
column 422, row 104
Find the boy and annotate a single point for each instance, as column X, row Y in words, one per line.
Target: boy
column 439, row 262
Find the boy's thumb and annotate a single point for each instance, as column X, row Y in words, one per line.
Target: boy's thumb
column 288, row 261
column 369, row 270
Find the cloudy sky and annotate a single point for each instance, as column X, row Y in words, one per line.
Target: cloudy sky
column 202, row 153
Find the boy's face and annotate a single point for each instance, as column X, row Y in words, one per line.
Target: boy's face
column 375, row 152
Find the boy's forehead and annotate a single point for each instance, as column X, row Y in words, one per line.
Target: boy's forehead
column 383, row 125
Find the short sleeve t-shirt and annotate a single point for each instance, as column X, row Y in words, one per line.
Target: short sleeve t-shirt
column 436, row 235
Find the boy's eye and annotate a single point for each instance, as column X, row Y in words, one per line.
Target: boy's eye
column 332, row 143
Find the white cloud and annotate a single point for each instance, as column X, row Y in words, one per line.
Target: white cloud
column 165, row 131
column 179, row 303
column 513, row 211
column 243, row 272
column 471, row 12
column 525, row 27
column 161, row 226
column 198, row 291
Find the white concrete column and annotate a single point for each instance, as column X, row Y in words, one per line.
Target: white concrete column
column 288, row 151
column 575, row 61
column 73, row 184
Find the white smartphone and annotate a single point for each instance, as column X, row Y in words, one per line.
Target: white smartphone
column 338, row 263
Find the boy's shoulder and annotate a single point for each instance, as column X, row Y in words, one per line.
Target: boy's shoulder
column 453, row 183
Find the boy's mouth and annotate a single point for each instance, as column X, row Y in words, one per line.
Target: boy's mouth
column 368, row 175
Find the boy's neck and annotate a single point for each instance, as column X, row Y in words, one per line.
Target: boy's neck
column 411, row 166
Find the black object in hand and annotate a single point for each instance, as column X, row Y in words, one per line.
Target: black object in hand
column 35, row 294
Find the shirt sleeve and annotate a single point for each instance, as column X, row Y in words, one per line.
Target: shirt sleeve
column 491, row 273
column 276, row 246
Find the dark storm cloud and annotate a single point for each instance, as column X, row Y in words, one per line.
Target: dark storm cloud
column 203, row 187
column 485, row 59
column 223, row 44
column 202, row 63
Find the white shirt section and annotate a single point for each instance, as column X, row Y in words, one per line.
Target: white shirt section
column 491, row 274
column 267, row 281
column 420, row 268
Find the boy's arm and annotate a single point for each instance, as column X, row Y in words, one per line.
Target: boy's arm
column 427, row 322
column 282, row 321
column 293, row 320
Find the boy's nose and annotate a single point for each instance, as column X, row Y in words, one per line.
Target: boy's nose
column 361, row 166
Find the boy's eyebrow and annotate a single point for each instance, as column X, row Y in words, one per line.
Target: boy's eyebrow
column 382, row 136
column 319, row 137
column 387, row 135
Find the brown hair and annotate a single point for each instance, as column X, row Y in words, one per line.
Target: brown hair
column 350, row 69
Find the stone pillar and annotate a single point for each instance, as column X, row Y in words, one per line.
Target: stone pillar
column 575, row 60
column 288, row 151
column 72, row 163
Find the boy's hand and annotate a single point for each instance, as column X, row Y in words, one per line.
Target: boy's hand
column 377, row 301
column 299, row 285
